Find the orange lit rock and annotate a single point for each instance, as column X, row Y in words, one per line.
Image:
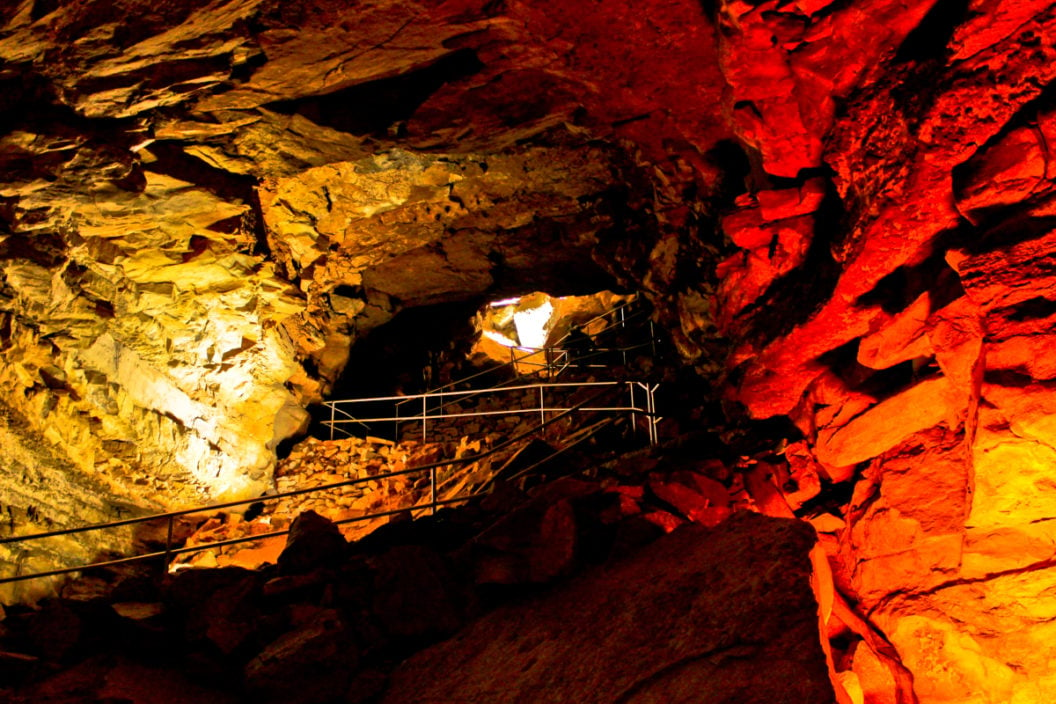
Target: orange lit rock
column 778, row 248
column 909, row 528
column 665, row 520
column 1009, row 526
column 977, row 642
column 790, row 202
column 804, row 475
column 1010, row 275
column 1024, row 354
column 1030, row 410
column 1004, row 173
column 830, row 403
column 899, row 339
column 706, row 503
column 203, row 205
column 956, row 335
column 873, row 678
column 885, row 425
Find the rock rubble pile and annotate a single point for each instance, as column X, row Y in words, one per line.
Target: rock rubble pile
column 333, row 621
column 363, row 462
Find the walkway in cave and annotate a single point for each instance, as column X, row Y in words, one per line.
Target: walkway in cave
column 546, row 412
column 606, row 369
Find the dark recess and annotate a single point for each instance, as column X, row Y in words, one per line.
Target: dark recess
column 897, row 290
column 171, row 160
column 395, row 354
column 1033, row 309
column 735, row 167
column 370, row 108
column 928, row 40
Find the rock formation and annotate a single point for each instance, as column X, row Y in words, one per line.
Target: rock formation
column 842, row 213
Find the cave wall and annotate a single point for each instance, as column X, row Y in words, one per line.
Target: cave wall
column 918, row 369
column 843, row 213
column 205, row 204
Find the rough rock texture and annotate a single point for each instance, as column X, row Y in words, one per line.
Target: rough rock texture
column 205, row 204
column 331, row 620
column 691, row 620
column 842, row 213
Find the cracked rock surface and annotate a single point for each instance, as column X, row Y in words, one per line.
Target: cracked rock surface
column 843, row 214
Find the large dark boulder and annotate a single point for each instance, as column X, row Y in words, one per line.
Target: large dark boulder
column 704, row 616
column 313, row 542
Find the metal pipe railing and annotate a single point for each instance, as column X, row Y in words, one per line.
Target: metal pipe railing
column 441, row 413
column 170, row 516
column 515, row 360
column 525, row 360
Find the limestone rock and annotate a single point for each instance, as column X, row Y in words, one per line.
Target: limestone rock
column 311, row 664
column 910, row 531
column 883, row 426
column 900, row 339
column 415, row 594
column 203, row 205
column 648, row 628
column 313, row 542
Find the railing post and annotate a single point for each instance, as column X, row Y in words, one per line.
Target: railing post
column 424, row 414
column 542, row 406
column 396, row 423
column 634, row 414
column 432, row 489
column 168, row 543
column 653, row 436
column 333, row 410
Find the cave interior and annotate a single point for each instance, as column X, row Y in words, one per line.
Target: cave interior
column 826, row 221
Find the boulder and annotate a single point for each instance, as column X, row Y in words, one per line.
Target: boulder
column 313, row 542
column 310, row 664
column 414, row 594
column 704, row 615
column 218, row 610
column 885, row 425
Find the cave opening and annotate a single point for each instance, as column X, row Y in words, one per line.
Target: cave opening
column 477, row 343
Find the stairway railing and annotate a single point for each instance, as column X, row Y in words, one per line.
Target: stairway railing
column 641, row 403
column 170, row 517
column 557, row 360
column 619, row 312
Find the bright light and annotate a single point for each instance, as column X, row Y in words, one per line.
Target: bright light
column 533, row 324
column 500, row 338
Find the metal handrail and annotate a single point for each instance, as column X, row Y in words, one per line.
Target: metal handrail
column 559, row 451
column 513, row 361
column 442, row 391
column 648, row 410
column 170, row 516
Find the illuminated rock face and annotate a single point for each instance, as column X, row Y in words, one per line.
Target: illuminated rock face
column 843, row 212
column 186, row 263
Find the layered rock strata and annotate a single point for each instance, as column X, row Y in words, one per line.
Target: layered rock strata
column 843, row 212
